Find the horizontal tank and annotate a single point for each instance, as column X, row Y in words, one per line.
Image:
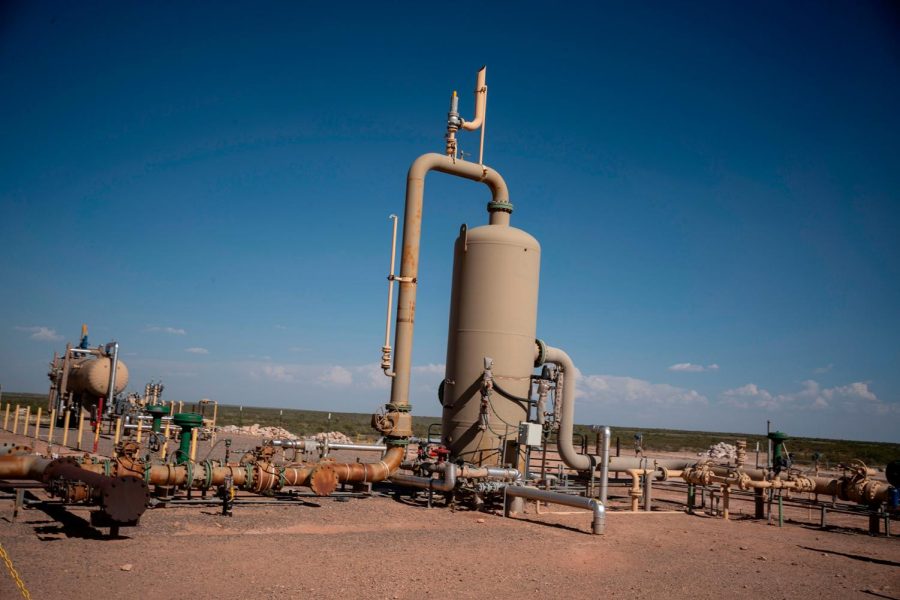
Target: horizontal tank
column 493, row 313
column 90, row 376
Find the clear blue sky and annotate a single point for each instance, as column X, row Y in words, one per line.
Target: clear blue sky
column 715, row 187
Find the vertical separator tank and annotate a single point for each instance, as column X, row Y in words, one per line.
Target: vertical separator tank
column 493, row 313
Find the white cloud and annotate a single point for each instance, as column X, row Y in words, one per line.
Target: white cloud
column 851, row 397
column 825, row 369
column 196, row 350
column 169, row 330
column 279, row 373
column 692, row 368
column 613, row 389
column 336, row 375
column 41, row 334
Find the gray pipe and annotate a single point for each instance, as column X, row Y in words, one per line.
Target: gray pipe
column 605, row 435
column 113, row 365
column 409, row 264
column 599, row 522
column 310, row 444
column 427, row 483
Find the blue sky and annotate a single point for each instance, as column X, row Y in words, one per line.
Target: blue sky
column 715, row 188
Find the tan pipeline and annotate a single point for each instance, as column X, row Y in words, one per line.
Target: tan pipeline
column 409, row 263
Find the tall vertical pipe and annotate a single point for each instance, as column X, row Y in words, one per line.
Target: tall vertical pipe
column 409, row 264
column 605, row 434
column 113, row 367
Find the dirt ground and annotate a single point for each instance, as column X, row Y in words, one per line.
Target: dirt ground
column 393, row 546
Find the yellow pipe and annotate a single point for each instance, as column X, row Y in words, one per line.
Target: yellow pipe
column 118, row 431
column 172, row 408
column 15, row 428
column 37, row 424
column 52, row 425
column 6, row 418
column 140, row 430
column 27, row 417
column 66, row 427
column 165, row 445
column 193, row 444
column 80, row 429
column 97, row 432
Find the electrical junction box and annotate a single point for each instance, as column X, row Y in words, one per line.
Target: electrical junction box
column 530, row 434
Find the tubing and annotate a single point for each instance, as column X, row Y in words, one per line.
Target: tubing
column 447, row 484
column 409, row 263
column 597, row 525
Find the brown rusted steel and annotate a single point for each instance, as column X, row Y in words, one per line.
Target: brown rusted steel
column 323, row 479
column 122, row 499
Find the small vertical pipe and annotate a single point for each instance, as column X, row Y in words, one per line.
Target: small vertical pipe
column 15, row 428
column 65, row 441
column 80, row 429
column 648, row 487
column 52, row 426
column 780, row 510
column 181, row 406
column 118, row 431
column 194, row 443
column 27, row 417
column 605, row 435
column 759, row 501
column 37, row 424
column 691, row 498
column 172, row 409
column 97, row 433
column 6, row 418
column 140, row 429
column 165, row 445
column 726, row 496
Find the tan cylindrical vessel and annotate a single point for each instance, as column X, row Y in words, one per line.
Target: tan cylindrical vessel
column 493, row 313
column 91, row 376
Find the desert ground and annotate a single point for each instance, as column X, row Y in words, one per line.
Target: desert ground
column 391, row 545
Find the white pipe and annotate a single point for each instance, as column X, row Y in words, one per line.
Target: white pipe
column 386, row 348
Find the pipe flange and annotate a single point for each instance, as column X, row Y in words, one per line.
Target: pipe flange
column 541, row 352
column 323, row 480
column 494, row 206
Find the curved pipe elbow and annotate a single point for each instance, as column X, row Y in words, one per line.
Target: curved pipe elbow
column 574, row 460
column 480, row 102
column 446, row 164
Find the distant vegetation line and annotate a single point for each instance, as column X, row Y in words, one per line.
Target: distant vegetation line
column 308, row 422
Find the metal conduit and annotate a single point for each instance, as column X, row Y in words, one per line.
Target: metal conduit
column 597, row 525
